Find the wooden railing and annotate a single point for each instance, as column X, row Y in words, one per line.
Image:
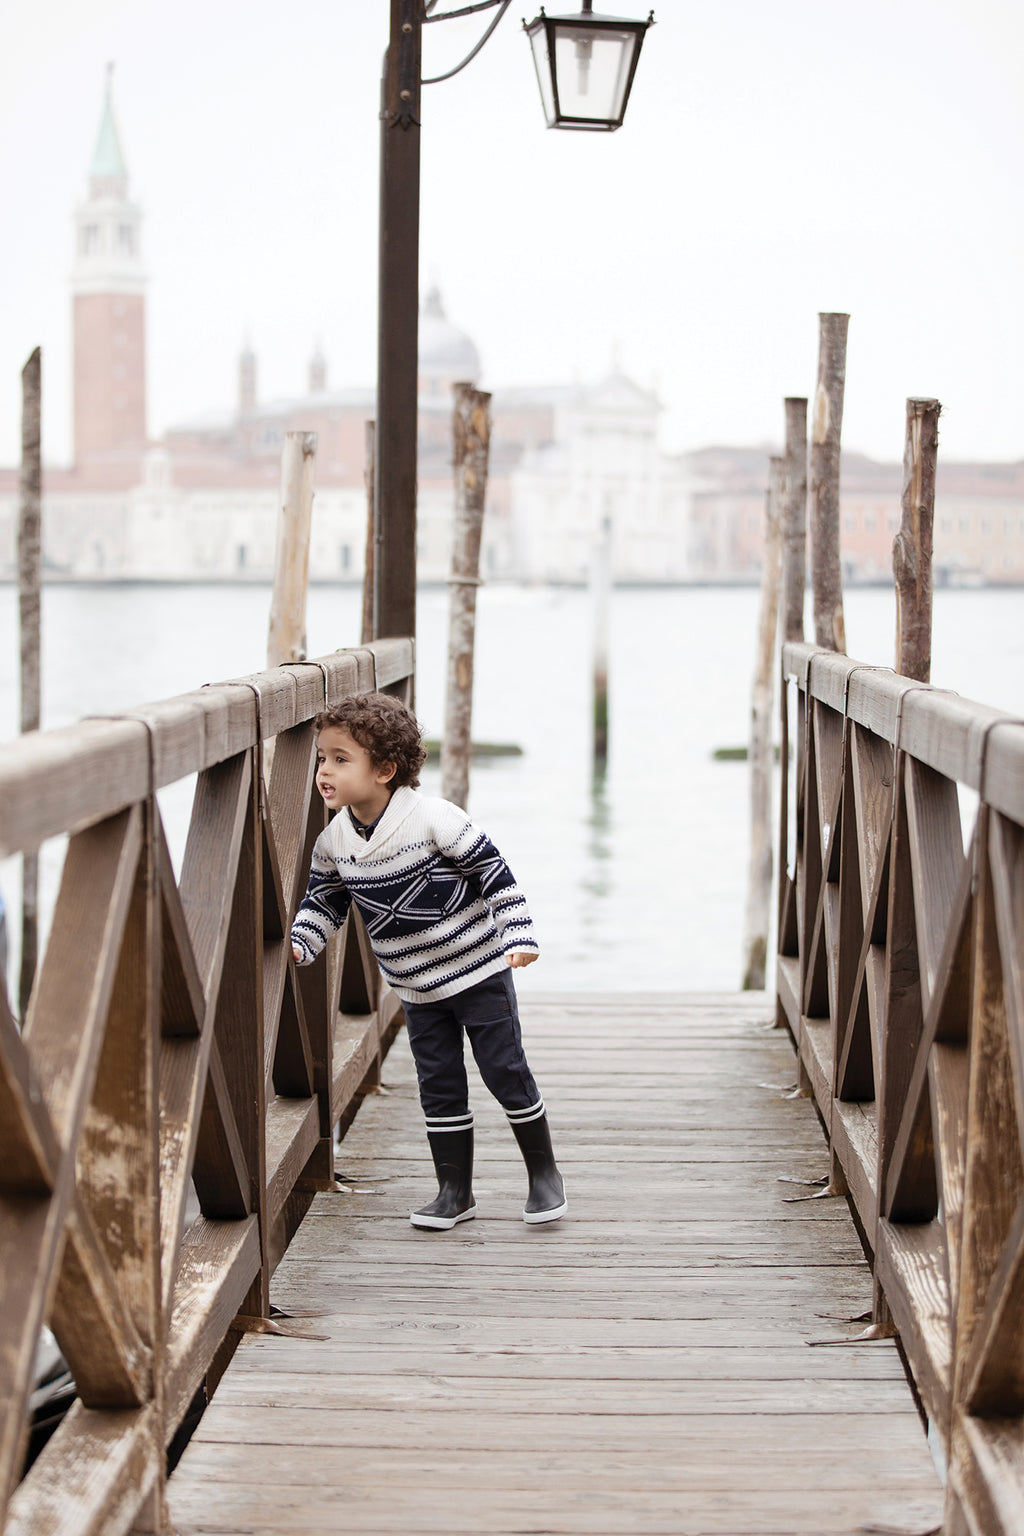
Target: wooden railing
column 901, row 977
column 169, row 1043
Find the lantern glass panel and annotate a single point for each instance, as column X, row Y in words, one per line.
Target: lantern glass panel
column 592, row 70
column 539, row 44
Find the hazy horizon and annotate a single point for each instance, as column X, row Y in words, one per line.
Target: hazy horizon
column 772, row 165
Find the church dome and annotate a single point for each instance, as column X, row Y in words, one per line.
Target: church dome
column 445, row 353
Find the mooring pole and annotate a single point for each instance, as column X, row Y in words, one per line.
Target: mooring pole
column 829, row 625
column 794, row 520
column 29, row 617
column 394, row 604
column 286, row 637
column 912, row 546
column 471, row 423
column 759, row 887
column 600, row 591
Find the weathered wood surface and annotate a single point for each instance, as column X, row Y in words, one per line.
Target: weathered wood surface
column 471, row 434
column 902, row 983
column 168, row 1044
column 761, row 855
column 912, row 546
column 826, row 434
column 649, row 1364
column 286, row 637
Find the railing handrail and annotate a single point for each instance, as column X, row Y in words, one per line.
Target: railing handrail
column 900, row 979
column 169, row 1042
column 56, row 780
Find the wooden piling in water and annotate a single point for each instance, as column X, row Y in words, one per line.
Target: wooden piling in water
column 600, row 593
column 759, row 885
column 912, row 546
column 286, row 639
column 829, row 625
column 471, row 424
column 794, row 520
column 30, row 624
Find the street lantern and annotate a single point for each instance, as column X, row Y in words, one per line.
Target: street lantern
column 585, row 66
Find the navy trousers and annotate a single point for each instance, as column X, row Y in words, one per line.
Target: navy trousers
column 488, row 1014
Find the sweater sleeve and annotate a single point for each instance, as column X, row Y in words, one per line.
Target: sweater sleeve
column 324, row 907
column 476, row 857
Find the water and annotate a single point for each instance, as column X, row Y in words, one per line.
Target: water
column 634, row 882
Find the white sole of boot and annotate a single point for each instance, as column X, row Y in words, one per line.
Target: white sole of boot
column 535, row 1218
column 441, row 1223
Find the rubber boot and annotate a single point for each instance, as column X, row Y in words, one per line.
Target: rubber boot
column 452, row 1152
column 546, row 1198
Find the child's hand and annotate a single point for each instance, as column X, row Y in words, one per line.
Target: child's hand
column 523, row 957
column 297, row 952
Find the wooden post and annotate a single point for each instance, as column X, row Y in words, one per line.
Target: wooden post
column 829, row 626
column 29, row 611
column 912, row 546
column 366, row 630
column 286, row 640
column 394, row 563
column 759, row 889
column 600, row 591
column 794, row 521
column 471, row 421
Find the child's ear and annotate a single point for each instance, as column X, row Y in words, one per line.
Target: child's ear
column 386, row 772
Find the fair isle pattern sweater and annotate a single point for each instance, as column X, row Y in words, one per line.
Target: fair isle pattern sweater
column 441, row 906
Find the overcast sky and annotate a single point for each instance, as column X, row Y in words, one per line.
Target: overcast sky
column 777, row 160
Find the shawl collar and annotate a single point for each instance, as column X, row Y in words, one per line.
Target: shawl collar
column 401, row 805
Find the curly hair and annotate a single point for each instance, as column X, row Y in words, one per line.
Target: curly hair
column 385, row 728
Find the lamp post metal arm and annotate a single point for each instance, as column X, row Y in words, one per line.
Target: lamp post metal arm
column 503, row 4
column 467, row 10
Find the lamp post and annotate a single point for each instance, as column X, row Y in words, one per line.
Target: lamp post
column 600, row 53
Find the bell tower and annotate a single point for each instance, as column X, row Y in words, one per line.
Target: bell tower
column 109, row 305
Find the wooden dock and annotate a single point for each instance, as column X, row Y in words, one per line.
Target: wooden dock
column 676, row 1356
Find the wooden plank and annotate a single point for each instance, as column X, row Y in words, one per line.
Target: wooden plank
column 96, row 1488
column 218, row 1262
column 855, row 1147
column 29, row 1154
column 582, row 1514
column 993, row 1174
column 911, row 1268
column 987, row 1457
column 1003, row 785
column 222, row 803
column 658, row 1337
column 95, row 1329
column 933, row 825
column 69, row 778
column 293, row 1129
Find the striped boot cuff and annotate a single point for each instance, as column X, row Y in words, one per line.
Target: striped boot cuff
column 440, row 1123
column 523, row 1116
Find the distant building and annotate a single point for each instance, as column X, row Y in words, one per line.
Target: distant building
column 978, row 525
column 202, row 503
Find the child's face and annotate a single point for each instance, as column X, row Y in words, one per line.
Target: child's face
column 345, row 774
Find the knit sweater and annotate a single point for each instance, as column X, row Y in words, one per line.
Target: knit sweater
column 441, row 906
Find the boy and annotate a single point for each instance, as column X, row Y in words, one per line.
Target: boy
column 446, row 921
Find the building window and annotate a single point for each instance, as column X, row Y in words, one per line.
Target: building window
column 126, row 239
column 963, row 524
column 869, row 521
column 346, row 556
column 90, row 239
column 240, row 554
